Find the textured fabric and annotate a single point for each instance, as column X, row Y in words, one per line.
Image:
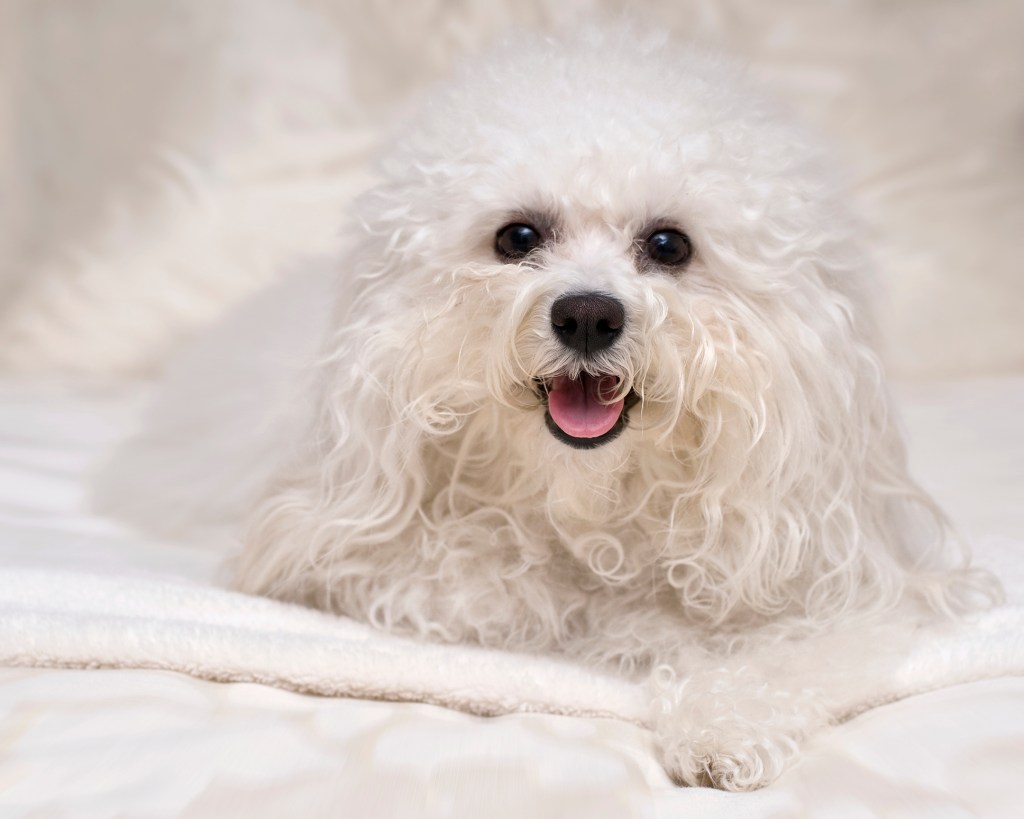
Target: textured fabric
column 50, row 617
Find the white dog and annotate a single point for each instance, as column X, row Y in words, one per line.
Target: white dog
column 599, row 378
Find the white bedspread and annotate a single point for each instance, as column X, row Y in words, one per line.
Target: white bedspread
column 76, row 591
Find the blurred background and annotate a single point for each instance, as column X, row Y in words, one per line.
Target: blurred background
column 159, row 160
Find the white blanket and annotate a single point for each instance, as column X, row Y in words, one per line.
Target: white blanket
column 97, row 600
column 77, row 619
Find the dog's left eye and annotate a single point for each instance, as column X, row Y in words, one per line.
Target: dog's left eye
column 669, row 247
column 516, row 240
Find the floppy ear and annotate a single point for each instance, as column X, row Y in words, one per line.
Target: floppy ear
column 358, row 483
column 801, row 497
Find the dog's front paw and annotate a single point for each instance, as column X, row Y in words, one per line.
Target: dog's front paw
column 726, row 763
column 729, row 729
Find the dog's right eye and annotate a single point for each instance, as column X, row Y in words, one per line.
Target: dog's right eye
column 669, row 247
column 516, row 240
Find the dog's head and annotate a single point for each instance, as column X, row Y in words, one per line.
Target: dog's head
column 615, row 244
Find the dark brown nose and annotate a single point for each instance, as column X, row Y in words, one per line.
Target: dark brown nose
column 587, row 322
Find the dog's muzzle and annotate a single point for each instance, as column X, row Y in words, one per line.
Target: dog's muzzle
column 582, row 411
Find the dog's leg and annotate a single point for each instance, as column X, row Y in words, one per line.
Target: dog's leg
column 735, row 722
column 731, row 728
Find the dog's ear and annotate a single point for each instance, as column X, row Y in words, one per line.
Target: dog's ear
column 800, row 501
column 355, row 487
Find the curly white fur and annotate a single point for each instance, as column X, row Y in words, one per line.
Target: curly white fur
column 746, row 536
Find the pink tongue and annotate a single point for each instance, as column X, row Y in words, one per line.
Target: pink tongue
column 575, row 405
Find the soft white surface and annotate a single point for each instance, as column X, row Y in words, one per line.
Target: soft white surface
column 152, row 743
column 146, row 743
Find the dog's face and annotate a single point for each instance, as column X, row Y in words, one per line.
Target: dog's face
column 624, row 254
column 591, row 302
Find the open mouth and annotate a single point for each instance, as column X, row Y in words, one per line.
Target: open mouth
column 580, row 411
